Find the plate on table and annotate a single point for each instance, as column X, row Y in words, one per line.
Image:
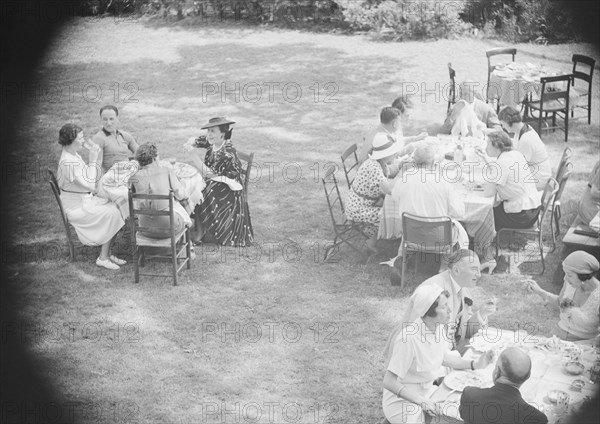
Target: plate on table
column 458, row 380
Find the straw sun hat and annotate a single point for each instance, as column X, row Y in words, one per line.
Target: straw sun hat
column 384, row 146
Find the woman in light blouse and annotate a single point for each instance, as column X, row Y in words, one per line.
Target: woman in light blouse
column 96, row 220
column 419, row 352
column 528, row 142
column 510, row 180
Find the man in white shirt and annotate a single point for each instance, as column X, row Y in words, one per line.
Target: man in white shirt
column 423, row 189
column 470, row 116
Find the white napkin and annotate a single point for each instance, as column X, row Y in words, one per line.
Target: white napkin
column 234, row 185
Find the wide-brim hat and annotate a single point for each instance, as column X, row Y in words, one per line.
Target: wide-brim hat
column 215, row 122
column 384, row 146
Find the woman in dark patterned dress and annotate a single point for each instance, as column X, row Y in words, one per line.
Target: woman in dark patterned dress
column 223, row 216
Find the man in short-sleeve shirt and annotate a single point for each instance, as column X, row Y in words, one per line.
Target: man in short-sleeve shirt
column 115, row 145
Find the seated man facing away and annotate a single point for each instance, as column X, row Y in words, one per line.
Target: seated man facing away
column 470, row 116
column 503, row 402
column 423, row 190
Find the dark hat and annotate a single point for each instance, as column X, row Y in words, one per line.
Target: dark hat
column 215, row 122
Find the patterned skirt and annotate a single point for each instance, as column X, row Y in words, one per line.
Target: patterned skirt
column 225, row 215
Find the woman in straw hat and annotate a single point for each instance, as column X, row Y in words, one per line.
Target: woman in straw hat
column 579, row 299
column 223, row 216
column 373, row 181
column 420, row 351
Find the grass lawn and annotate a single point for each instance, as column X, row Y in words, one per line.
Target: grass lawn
column 265, row 334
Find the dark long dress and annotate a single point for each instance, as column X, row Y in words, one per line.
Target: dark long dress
column 224, row 213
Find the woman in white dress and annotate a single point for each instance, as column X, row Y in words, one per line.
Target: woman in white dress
column 95, row 220
column 419, row 352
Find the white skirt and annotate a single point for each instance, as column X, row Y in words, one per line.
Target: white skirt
column 96, row 220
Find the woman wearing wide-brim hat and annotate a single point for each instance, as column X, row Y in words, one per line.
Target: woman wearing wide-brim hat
column 373, row 181
column 223, row 217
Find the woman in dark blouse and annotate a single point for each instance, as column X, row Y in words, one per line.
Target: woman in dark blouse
column 223, row 216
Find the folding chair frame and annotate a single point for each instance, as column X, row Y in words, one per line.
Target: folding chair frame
column 345, row 231
column 537, row 230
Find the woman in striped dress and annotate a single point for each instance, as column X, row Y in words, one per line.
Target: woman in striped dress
column 223, row 216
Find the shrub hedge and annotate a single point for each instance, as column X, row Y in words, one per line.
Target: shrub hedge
column 543, row 21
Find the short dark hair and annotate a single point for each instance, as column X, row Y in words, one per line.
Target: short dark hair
column 146, row 154
column 431, row 311
column 500, row 140
column 226, row 129
column 510, row 373
column 109, row 107
column 68, row 133
column 402, row 103
column 389, row 114
column 510, row 115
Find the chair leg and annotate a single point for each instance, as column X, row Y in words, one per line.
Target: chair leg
column 136, row 263
column 71, row 250
column 188, row 248
column 404, row 263
column 542, row 252
column 566, row 126
column 174, row 261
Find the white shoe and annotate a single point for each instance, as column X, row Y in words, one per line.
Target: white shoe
column 107, row 263
column 117, row 260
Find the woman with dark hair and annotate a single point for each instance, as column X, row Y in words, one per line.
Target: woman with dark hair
column 223, row 216
column 517, row 198
column 95, row 220
column 154, row 179
column 528, row 142
column 420, row 351
column 579, row 299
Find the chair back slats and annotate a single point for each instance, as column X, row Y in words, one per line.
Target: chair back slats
column 578, row 74
column 52, row 180
column 562, row 179
column 350, row 168
column 177, row 241
column 566, row 156
column 553, row 91
column 332, row 193
column 429, row 232
column 512, row 51
column 249, row 159
column 548, row 197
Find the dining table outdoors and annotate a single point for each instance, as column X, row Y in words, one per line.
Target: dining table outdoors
column 468, row 178
column 564, row 375
column 192, row 181
column 513, row 82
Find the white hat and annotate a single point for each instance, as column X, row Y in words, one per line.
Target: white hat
column 422, row 299
column 383, row 146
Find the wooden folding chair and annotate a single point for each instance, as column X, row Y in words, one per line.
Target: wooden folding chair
column 537, row 229
column 424, row 235
column 179, row 243
column 562, row 178
column 554, row 100
column 350, row 168
column 582, row 97
column 56, row 190
column 346, row 231
column 500, row 51
column 248, row 158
